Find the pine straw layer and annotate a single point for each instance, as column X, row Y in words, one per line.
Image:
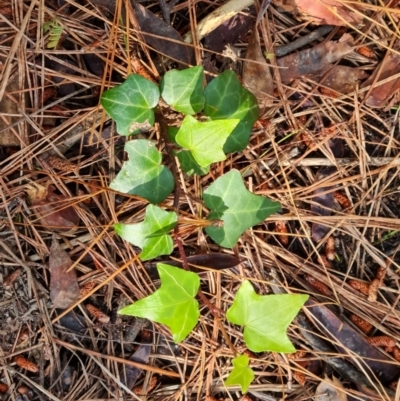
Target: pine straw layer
column 366, row 233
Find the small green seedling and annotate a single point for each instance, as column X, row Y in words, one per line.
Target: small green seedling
column 211, row 122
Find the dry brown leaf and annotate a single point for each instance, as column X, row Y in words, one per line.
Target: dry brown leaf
column 64, row 288
column 323, row 12
column 381, row 93
column 315, row 60
column 330, row 390
column 49, row 208
column 256, row 73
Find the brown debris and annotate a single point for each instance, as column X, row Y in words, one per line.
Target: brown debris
column 152, row 384
column 281, row 228
column 330, row 248
column 396, row 353
column 376, row 283
column 6, row 11
column 362, row 324
column 49, row 93
column 342, row 199
column 86, row 288
column 3, row 388
column 61, row 164
column 24, row 335
column 358, row 285
column 366, row 52
column 325, row 262
column 11, row 278
column 98, row 314
column 26, row 364
column 329, row 92
column 25, row 391
column 317, row 285
column 382, row 341
column 300, row 378
column 139, row 69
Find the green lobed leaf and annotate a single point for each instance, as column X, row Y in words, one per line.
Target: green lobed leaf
column 152, row 234
column 183, row 90
column 239, row 209
column 131, row 104
column 226, row 98
column 173, row 304
column 241, row 374
column 205, row 140
column 265, row 318
column 143, row 174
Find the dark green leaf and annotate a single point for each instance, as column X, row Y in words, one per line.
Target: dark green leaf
column 183, row 90
column 226, row 98
column 189, row 164
column 152, row 234
column 239, row 209
column 173, row 304
column 131, row 104
column 143, row 174
column 265, row 318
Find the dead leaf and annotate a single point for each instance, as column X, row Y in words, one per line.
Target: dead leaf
column 64, row 288
column 161, row 36
column 129, row 374
column 330, row 390
column 313, row 61
column 49, row 208
column 256, row 73
column 323, row 12
column 349, row 342
column 381, row 93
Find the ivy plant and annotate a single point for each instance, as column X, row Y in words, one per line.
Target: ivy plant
column 211, row 121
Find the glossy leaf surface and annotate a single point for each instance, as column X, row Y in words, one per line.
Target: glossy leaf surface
column 265, row 318
column 205, row 140
column 226, row 98
column 152, row 234
column 143, row 174
column 241, row 374
column 183, row 90
column 131, row 104
column 239, row 209
column 173, row 304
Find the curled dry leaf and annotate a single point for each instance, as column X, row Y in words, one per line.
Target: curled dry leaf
column 281, row 228
column 330, row 248
column 64, row 288
column 381, row 93
column 49, row 208
column 26, row 364
column 317, row 285
column 256, row 73
column 326, row 12
column 11, row 278
column 358, row 285
column 314, row 60
column 382, row 341
column 100, row 316
column 330, row 390
column 362, row 324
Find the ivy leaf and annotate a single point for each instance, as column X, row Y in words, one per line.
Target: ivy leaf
column 173, row 304
column 143, row 174
column 227, row 98
column 241, row 373
column 131, row 104
column 183, row 90
column 205, row 140
column 239, row 209
column 265, row 318
column 152, row 234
